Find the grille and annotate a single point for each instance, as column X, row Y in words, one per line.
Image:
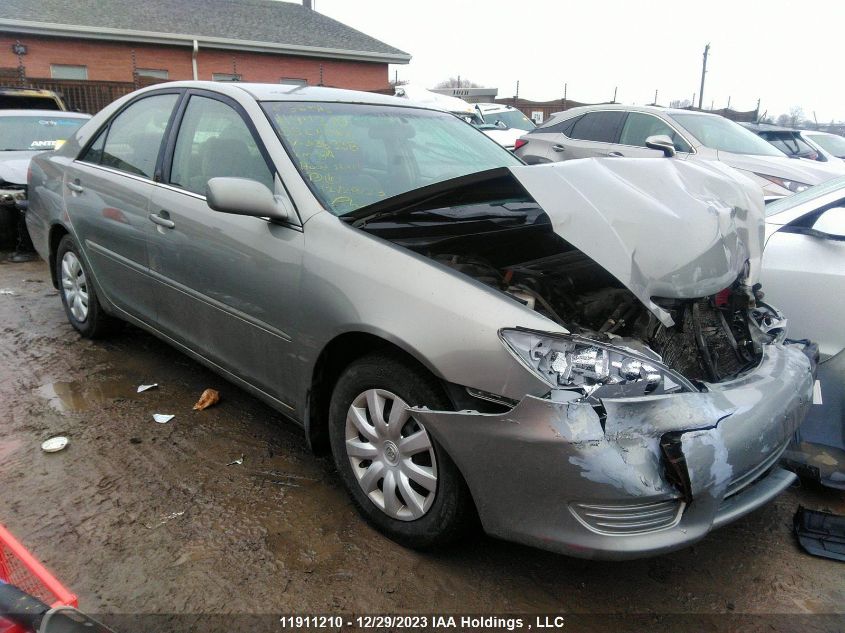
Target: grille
column 738, row 484
column 628, row 518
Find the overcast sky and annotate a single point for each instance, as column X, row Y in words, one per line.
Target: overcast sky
column 783, row 52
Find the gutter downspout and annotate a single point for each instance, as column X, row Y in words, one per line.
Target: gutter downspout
column 194, row 59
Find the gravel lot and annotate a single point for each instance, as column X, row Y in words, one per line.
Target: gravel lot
column 139, row 517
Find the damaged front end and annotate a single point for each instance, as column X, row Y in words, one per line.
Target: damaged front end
column 671, row 391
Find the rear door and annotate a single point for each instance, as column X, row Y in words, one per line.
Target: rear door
column 227, row 285
column 106, row 192
column 548, row 144
column 637, row 127
column 595, row 134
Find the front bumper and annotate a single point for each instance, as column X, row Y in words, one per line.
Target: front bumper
column 656, row 474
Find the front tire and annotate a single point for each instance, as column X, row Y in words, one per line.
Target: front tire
column 79, row 298
column 400, row 478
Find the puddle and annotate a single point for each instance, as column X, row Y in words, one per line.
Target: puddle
column 83, row 396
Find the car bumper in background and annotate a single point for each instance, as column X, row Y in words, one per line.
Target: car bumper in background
column 639, row 477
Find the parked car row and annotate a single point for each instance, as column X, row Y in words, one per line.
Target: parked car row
column 811, row 144
column 648, row 131
column 578, row 353
column 23, row 134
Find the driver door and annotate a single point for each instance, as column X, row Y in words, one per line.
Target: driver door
column 227, row 284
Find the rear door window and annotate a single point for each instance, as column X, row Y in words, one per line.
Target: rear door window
column 134, row 137
column 601, row 127
column 564, row 127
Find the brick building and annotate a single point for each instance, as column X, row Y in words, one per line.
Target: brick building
column 122, row 44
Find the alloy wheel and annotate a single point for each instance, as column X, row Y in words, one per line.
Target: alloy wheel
column 391, row 455
column 75, row 286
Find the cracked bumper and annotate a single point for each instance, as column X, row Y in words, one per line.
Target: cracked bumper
column 551, row 475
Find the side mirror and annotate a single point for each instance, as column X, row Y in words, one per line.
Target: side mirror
column 662, row 143
column 831, row 223
column 242, row 196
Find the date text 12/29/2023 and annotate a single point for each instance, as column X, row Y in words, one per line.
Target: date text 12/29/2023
column 393, row 622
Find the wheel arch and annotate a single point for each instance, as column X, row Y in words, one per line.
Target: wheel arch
column 335, row 356
column 57, row 232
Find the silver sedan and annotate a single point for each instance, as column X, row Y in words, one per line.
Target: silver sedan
column 576, row 353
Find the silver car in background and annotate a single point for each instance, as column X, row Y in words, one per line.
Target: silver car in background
column 620, row 130
column 574, row 353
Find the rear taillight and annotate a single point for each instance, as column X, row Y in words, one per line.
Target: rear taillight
column 519, row 143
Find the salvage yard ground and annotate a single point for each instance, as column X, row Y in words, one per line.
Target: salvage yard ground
column 139, row 517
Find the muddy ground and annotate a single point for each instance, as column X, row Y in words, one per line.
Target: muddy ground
column 139, row 517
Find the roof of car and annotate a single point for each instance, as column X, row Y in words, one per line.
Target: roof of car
column 244, row 24
column 493, row 107
column 48, row 113
column 767, row 127
column 630, row 108
column 27, row 92
column 292, row 92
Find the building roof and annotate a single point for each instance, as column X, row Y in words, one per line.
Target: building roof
column 255, row 25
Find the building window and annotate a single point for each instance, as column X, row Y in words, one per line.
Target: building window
column 63, row 71
column 293, row 82
column 152, row 72
column 225, row 77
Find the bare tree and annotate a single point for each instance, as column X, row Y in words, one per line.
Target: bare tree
column 796, row 115
column 458, row 82
column 783, row 120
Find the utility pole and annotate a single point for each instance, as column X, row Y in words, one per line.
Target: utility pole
column 564, row 95
column 655, row 97
column 516, row 96
column 692, row 103
column 729, row 102
column 614, row 94
column 703, row 72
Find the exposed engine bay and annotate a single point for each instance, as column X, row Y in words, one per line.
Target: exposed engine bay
column 713, row 339
column 510, row 245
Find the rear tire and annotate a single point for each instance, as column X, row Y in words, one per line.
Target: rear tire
column 79, row 298
column 401, row 480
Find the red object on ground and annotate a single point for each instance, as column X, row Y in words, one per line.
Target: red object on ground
column 19, row 568
column 722, row 297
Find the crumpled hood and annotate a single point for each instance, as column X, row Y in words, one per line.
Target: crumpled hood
column 14, row 165
column 664, row 228
column 798, row 169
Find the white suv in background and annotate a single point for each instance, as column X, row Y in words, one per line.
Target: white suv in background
column 649, row 131
column 503, row 123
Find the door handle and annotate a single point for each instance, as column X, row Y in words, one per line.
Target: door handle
column 615, row 154
column 157, row 219
column 558, row 148
column 74, row 187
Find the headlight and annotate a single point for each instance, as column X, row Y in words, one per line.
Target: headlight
column 791, row 185
column 596, row 369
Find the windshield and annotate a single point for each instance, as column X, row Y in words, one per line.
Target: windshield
column 721, row 134
column 783, row 204
column 512, row 118
column 791, row 144
column 31, row 132
column 831, row 143
column 356, row 154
